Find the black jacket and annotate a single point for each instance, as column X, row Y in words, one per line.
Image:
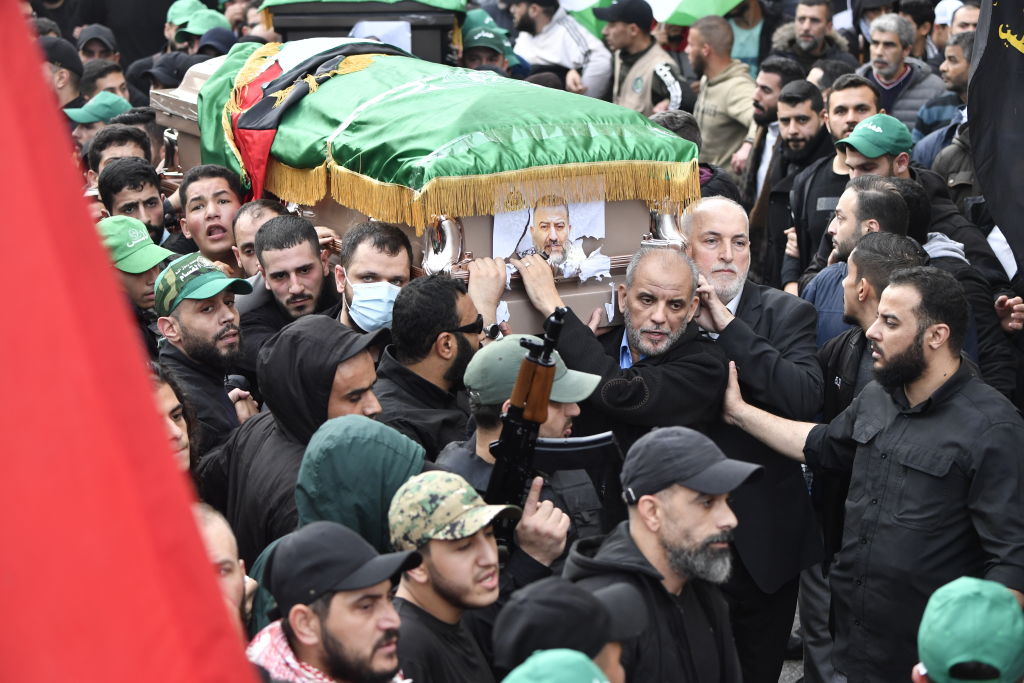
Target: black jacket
column 423, row 411
column 683, row 386
column 784, row 45
column 772, row 341
column 205, row 391
column 718, row 184
column 813, row 199
column 665, row 651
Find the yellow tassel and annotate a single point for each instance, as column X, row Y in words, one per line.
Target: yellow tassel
column 300, row 185
column 280, row 95
column 267, row 19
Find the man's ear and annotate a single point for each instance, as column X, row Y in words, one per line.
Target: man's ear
column 238, row 256
column 621, row 298
column 184, row 228
column 339, row 278
column 649, row 511
column 694, row 307
column 417, row 575
column 305, row 624
column 936, row 335
column 266, row 280
column 871, row 225
column 864, row 290
column 169, row 327
column 446, row 346
column 901, row 163
column 324, row 255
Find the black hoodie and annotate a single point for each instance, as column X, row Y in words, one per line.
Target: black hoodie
column 688, row 638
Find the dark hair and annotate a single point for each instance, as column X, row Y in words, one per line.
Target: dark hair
column 850, row 81
column 920, row 11
column 788, row 70
column 161, row 374
column 321, row 607
column 816, row 3
column 145, row 117
column 716, row 32
column 831, row 69
column 798, row 92
column 879, row 254
column 919, row 207
column 682, row 123
column 964, row 41
column 256, row 208
column 284, row 232
column 45, row 27
column 205, row 171
column 967, row 3
column 93, row 71
column 130, row 172
column 382, row 236
column 942, row 300
column 879, row 199
column 425, row 308
column 114, row 135
column 486, row 416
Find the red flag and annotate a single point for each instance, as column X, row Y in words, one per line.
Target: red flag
column 103, row 576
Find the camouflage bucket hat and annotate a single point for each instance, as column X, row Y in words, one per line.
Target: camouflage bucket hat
column 439, row 506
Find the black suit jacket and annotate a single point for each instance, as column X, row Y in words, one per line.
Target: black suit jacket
column 683, row 386
column 772, row 341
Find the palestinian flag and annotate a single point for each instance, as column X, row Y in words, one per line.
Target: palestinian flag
column 995, row 106
column 453, row 5
column 403, row 140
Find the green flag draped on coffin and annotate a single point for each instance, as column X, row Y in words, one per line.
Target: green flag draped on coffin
column 404, row 140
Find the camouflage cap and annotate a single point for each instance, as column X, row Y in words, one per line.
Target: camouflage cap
column 440, row 506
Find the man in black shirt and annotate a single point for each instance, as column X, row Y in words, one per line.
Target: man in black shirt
column 673, row 549
column 933, row 456
column 439, row 514
column 65, row 70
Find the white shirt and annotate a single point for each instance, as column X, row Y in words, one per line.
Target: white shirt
column 771, row 136
column 563, row 42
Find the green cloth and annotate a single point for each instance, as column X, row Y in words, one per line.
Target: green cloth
column 689, row 11
column 587, row 20
column 454, row 5
column 212, row 97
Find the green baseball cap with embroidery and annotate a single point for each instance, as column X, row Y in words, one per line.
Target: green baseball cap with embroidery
column 200, row 22
column 131, row 248
column 485, row 36
column 439, row 506
column 972, row 620
column 102, row 107
column 478, row 18
column 492, row 372
column 192, row 277
column 879, row 135
column 181, row 11
column 557, row 666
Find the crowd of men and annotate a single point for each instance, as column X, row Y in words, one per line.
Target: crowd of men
column 815, row 392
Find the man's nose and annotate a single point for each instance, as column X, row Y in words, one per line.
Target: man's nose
column 371, row 406
column 173, row 431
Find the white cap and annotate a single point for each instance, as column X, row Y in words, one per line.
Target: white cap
column 944, row 11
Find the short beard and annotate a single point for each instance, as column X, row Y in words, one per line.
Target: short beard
column 698, row 66
column 702, row 562
column 557, row 259
column 903, row 368
column 455, row 374
column 526, row 24
column 206, row 352
column 341, row 666
column 449, row 592
column 636, row 340
column 725, row 293
column 807, row 44
column 765, row 117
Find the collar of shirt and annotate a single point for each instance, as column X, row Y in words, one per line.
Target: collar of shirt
column 625, row 356
column 733, row 306
column 948, row 388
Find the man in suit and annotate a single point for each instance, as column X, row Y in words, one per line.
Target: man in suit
column 656, row 370
column 770, row 335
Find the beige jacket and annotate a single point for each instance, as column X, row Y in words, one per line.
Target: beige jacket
column 724, row 111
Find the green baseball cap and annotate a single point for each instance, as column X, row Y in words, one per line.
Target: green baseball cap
column 131, row 248
column 492, row 372
column 478, row 18
column 181, row 11
column 972, row 620
column 102, row 107
column 199, row 23
column 192, row 277
column 878, row 135
column 440, row 506
column 485, row 36
column 557, row 666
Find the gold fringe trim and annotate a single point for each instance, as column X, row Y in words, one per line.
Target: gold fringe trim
column 267, row 19
column 669, row 185
column 252, row 67
column 301, row 185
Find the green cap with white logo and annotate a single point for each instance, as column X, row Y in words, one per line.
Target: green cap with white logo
column 879, row 135
column 103, row 107
column 130, row 246
column 199, row 23
column 491, row 37
column 181, row 10
column 192, row 277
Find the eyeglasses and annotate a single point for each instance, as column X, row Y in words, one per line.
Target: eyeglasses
column 475, row 327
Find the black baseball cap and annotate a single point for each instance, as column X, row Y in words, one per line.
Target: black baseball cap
column 556, row 613
column 169, row 69
column 327, row 557
column 97, row 32
column 628, row 11
column 678, row 455
column 61, row 53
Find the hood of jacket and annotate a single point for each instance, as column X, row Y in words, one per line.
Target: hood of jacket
column 736, row 69
column 615, row 553
column 350, row 472
column 784, row 39
column 296, row 370
column 939, row 245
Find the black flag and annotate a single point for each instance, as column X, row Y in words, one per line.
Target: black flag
column 995, row 107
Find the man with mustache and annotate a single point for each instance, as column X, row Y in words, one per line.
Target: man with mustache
column 336, row 622
column 810, row 37
column 905, row 83
column 674, row 549
column 772, row 333
column 933, row 455
column 816, row 189
column 195, row 302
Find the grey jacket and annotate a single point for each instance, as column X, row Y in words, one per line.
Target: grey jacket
column 923, row 86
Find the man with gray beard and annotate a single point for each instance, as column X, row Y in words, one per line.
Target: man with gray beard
column 673, row 549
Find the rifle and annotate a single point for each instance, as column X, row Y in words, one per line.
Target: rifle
column 528, row 409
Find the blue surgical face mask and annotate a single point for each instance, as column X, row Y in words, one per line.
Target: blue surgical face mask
column 372, row 303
